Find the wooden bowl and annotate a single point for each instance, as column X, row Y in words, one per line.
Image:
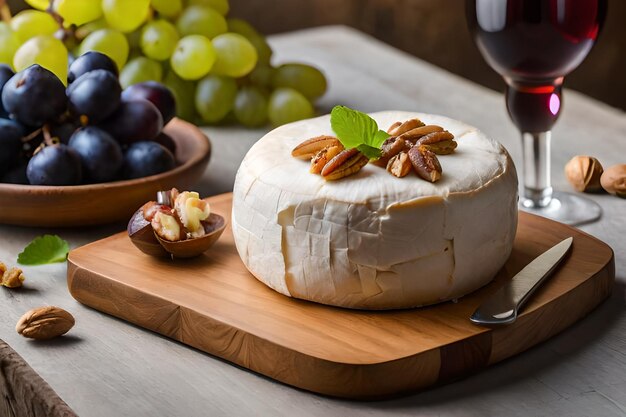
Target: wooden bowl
column 82, row 205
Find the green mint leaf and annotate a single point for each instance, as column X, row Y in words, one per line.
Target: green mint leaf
column 378, row 139
column 45, row 249
column 352, row 127
column 370, row 151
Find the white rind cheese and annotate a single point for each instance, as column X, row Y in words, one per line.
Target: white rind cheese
column 372, row 240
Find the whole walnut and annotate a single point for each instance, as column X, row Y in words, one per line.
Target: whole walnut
column 613, row 180
column 584, row 173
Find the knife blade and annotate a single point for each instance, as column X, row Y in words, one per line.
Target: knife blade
column 504, row 305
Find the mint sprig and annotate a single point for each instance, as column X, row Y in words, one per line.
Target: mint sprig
column 44, row 249
column 357, row 130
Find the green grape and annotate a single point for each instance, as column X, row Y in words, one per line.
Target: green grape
column 229, row 119
column 184, row 93
column 221, row 6
column 288, row 105
column 140, row 69
column 215, row 97
column 193, row 57
column 78, row 12
column 125, row 15
column 251, row 107
column 201, row 20
column 158, row 39
column 167, row 8
column 264, row 51
column 38, row 4
column 262, row 76
column 242, row 27
column 30, row 23
column 236, row 56
column 88, row 28
column 10, row 43
column 165, row 65
column 134, row 40
column 46, row 51
column 306, row 79
column 109, row 42
column 133, row 54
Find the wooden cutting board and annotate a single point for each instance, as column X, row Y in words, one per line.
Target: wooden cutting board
column 212, row 303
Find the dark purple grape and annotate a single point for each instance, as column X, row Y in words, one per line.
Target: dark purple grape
column 90, row 61
column 34, row 96
column 10, row 143
column 55, row 165
column 99, row 153
column 70, row 60
column 134, row 121
column 157, row 94
column 95, row 95
column 16, row 175
column 63, row 131
column 5, row 75
column 143, row 159
column 167, row 141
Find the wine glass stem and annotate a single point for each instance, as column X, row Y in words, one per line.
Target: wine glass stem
column 537, row 190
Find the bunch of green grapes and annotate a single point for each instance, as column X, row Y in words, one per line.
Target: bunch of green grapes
column 218, row 68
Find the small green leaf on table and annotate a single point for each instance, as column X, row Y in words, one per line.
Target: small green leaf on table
column 44, row 249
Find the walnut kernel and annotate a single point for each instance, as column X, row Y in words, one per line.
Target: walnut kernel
column 13, row 278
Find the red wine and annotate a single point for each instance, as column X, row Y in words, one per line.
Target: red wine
column 533, row 44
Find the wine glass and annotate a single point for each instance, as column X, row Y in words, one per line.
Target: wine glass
column 533, row 44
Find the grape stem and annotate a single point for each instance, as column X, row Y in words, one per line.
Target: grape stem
column 47, row 136
column 69, row 32
column 57, row 17
column 31, row 136
column 5, row 12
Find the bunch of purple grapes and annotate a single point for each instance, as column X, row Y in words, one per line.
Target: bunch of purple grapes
column 89, row 132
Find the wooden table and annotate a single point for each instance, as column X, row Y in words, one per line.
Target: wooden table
column 106, row 367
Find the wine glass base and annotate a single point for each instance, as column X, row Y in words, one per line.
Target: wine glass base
column 566, row 208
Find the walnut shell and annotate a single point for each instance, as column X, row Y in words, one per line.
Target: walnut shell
column 584, row 173
column 613, row 180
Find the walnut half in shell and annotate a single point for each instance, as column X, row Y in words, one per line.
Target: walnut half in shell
column 158, row 230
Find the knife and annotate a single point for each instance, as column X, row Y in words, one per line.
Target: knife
column 504, row 306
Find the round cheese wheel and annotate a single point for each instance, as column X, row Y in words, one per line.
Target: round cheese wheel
column 371, row 240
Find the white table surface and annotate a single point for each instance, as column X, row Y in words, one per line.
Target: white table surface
column 106, row 367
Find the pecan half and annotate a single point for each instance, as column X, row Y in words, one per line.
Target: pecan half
column 347, row 162
column 45, row 323
column 425, row 163
column 399, row 165
column 393, row 146
column 390, row 148
column 441, row 143
column 414, row 134
column 399, row 128
column 322, row 158
column 393, row 128
column 310, row 147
